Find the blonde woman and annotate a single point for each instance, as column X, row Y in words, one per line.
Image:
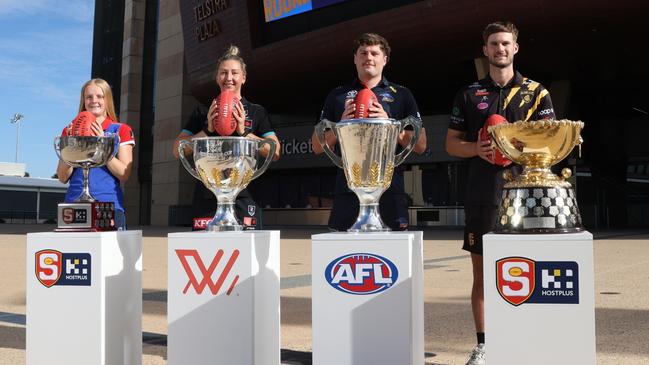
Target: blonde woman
column 252, row 122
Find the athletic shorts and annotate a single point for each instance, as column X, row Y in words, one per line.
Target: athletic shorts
column 478, row 220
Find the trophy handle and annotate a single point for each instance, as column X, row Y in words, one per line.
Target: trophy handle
column 269, row 157
column 319, row 132
column 57, row 147
column 116, row 141
column 416, row 125
column 183, row 159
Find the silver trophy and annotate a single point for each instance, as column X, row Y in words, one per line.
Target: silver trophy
column 225, row 165
column 85, row 213
column 368, row 159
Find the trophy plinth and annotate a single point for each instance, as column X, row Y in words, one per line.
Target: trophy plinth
column 538, row 201
column 86, row 217
column 225, row 165
column 367, row 148
column 85, row 213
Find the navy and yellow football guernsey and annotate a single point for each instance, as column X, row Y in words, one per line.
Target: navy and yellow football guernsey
column 399, row 103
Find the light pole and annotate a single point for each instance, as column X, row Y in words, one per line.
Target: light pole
column 16, row 120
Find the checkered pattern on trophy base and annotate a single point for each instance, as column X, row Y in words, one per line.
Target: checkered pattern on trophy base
column 538, row 210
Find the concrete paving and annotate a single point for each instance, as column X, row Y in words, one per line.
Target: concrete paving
column 621, row 296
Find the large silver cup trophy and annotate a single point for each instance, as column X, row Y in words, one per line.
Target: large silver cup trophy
column 85, row 213
column 225, row 165
column 367, row 148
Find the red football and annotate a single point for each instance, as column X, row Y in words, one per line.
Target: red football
column 224, row 124
column 494, row 119
column 80, row 125
column 363, row 101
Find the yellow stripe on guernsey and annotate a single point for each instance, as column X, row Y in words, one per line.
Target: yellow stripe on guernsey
column 533, row 85
column 512, row 92
column 541, row 95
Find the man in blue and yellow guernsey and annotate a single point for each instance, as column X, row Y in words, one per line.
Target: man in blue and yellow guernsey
column 371, row 54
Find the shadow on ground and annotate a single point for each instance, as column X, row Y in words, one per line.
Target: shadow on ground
column 619, row 331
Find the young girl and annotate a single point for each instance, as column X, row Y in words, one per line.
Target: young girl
column 105, row 181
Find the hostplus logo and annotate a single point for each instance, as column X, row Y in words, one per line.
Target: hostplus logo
column 522, row 280
column 57, row 268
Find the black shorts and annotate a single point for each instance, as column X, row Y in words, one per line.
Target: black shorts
column 478, row 220
column 392, row 207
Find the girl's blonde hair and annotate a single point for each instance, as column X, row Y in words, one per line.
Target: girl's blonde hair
column 108, row 97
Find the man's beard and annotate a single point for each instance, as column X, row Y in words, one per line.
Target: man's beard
column 501, row 64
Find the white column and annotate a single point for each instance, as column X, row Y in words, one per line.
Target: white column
column 368, row 306
column 84, row 298
column 223, row 298
column 539, row 299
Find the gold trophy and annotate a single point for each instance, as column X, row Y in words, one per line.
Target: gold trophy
column 538, row 201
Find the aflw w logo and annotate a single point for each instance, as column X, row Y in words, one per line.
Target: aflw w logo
column 207, row 273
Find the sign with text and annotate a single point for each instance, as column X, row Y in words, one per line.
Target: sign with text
column 279, row 9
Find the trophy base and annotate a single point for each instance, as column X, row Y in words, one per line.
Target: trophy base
column 228, row 228
column 369, row 220
column 86, row 217
column 538, row 210
column 224, row 220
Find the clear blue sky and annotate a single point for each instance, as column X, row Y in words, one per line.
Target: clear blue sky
column 45, row 57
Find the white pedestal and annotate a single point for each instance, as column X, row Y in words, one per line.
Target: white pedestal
column 539, row 299
column 223, row 298
column 84, row 298
column 368, row 306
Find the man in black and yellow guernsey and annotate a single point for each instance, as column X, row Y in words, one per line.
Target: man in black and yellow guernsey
column 505, row 92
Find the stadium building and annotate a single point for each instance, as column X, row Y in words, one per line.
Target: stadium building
column 159, row 56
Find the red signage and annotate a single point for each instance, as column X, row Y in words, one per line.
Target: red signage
column 48, row 267
column 515, row 279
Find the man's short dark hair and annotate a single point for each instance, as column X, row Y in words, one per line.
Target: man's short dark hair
column 372, row 39
column 499, row 27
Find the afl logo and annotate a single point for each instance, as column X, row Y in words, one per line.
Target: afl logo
column 361, row 273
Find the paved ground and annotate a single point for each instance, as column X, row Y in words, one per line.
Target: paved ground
column 621, row 274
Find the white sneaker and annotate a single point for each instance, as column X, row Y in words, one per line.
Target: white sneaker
column 477, row 355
